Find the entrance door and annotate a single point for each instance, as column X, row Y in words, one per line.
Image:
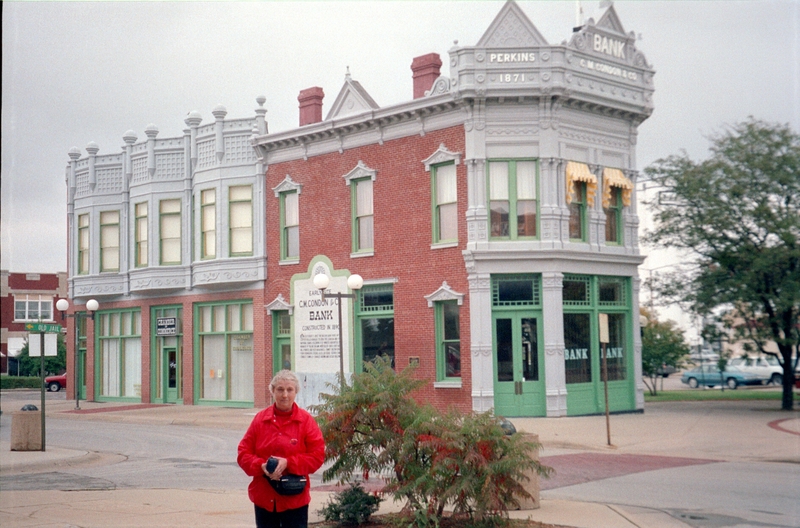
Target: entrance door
column 82, row 373
column 519, row 388
column 170, row 370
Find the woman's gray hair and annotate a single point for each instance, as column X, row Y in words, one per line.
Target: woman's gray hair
column 285, row 375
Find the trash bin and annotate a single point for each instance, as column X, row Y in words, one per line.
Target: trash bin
column 26, row 430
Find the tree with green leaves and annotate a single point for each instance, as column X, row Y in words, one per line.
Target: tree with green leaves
column 736, row 216
column 663, row 344
column 31, row 366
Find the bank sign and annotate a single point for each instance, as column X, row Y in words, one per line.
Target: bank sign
column 316, row 323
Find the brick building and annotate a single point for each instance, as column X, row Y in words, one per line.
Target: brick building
column 26, row 298
column 492, row 218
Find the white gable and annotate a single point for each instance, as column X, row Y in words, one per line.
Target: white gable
column 511, row 29
column 352, row 99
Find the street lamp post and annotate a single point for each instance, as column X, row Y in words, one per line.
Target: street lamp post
column 354, row 282
column 91, row 307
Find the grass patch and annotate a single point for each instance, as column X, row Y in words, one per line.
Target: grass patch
column 712, row 395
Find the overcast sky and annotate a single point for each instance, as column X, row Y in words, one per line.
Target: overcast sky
column 76, row 72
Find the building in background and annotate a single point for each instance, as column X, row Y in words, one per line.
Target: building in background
column 492, row 217
column 26, row 298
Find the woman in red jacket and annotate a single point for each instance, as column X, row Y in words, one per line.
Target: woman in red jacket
column 290, row 435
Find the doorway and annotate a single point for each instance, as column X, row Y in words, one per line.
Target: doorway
column 170, row 370
column 519, row 388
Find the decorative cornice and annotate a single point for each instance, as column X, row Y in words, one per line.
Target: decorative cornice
column 444, row 293
column 360, row 171
column 288, row 184
column 442, row 155
column 278, row 305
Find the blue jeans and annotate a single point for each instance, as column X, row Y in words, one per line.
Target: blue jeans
column 297, row 518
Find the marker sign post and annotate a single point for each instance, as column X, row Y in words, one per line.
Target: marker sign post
column 42, row 329
column 603, row 320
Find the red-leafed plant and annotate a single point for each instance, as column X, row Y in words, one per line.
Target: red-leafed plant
column 373, row 426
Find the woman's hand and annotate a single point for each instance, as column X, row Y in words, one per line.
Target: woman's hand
column 279, row 469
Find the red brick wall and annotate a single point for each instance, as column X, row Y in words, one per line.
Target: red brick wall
column 188, row 357
column 402, row 223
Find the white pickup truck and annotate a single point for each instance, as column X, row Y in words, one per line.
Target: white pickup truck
column 767, row 367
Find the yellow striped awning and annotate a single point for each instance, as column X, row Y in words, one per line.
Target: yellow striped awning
column 577, row 171
column 615, row 178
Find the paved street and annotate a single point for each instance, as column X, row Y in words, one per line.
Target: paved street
column 699, row 464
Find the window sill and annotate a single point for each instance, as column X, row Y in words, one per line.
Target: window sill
column 288, row 262
column 455, row 384
column 444, row 245
column 362, row 254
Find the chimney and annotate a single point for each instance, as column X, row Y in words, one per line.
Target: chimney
column 425, row 72
column 310, row 101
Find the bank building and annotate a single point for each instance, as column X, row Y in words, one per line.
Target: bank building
column 491, row 218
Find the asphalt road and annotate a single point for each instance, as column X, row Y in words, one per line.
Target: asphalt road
column 700, row 470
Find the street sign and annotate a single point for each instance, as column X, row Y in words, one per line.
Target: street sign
column 43, row 328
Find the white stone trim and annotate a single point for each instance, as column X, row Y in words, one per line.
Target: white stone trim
column 442, row 155
column 444, row 293
column 360, row 171
column 279, row 304
column 288, row 184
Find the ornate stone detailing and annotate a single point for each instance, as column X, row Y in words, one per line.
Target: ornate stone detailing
column 288, row 184
column 360, row 171
column 444, row 293
column 440, row 86
column 442, row 155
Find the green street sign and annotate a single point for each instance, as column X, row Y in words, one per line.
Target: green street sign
column 43, row 328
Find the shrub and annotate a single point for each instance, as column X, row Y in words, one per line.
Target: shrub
column 20, row 382
column 351, row 507
column 429, row 459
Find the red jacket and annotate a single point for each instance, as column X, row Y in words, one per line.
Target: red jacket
column 300, row 442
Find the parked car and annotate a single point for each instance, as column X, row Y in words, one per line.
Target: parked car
column 710, row 376
column 56, row 383
column 767, row 367
column 665, row 370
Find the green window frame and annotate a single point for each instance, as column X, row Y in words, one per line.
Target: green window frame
column 118, row 363
column 109, row 241
column 444, row 195
column 512, row 188
column 224, row 348
column 374, row 323
column 282, row 340
column 170, row 232
column 363, row 218
column 448, row 340
column 584, row 298
column 613, row 213
column 240, row 212
column 140, row 234
column 208, row 223
column 290, row 225
column 577, row 213
column 158, row 343
column 83, row 244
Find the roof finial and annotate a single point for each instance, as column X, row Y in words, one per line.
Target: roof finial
column 347, row 75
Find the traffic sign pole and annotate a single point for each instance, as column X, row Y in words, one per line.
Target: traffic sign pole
column 41, row 363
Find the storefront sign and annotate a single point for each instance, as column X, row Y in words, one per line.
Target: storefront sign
column 316, row 328
column 166, row 326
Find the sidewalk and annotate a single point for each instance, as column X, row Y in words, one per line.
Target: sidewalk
column 665, row 432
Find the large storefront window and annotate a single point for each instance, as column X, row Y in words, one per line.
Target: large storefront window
column 119, row 363
column 585, row 297
column 375, row 323
column 225, row 344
